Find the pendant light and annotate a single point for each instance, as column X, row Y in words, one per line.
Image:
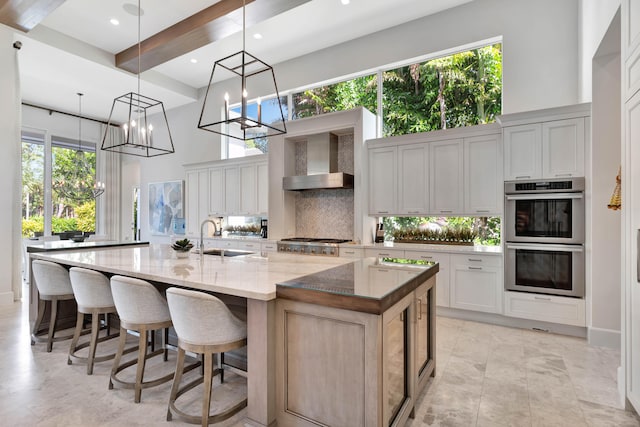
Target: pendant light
column 77, row 184
column 250, row 76
column 138, row 124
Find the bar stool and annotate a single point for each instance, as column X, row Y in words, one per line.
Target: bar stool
column 204, row 325
column 52, row 281
column 93, row 295
column 141, row 308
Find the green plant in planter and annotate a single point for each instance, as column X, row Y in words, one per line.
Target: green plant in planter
column 183, row 245
column 445, row 235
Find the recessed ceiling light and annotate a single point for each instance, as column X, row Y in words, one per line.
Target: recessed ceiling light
column 194, row 61
column 257, row 36
column 345, row 2
column 132, row 9
column 114, row 21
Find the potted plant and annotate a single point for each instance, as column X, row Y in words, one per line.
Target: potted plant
column 182, row 248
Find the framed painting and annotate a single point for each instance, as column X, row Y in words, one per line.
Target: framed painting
column 166, row 206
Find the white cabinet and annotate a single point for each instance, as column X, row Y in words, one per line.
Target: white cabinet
column 231, row 194
column 252, row 246
column 248, row 175
column 547, row 308
column 351, row 252
column 382, row 180
column 263, row 188
column 413, row 179
column 216, row 192
column 446, row 177
column 483, row 185
column 476, row 283
column 442, row 281
column 563, row 148
column 552, row 149
column 631, row 47
column 522, row 152
column 196, row 200
column 269, row 246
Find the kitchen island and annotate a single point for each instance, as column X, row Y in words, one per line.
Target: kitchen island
column 253, row 278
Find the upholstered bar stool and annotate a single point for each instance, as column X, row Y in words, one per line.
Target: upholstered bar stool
column 206, row 326
column 93, row 295
column 141, row 308
column 52, row 281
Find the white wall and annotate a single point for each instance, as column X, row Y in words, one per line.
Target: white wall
column 595, row 17
column 61, row 124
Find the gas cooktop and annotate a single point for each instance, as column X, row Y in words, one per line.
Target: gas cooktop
column 313, row 240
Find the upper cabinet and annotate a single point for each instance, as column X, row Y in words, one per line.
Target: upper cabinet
column 197, row 199
column 450, row 172
column 446, row 174
column 546, row 143
column 630, row 47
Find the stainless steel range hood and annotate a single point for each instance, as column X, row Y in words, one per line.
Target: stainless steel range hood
column 322, row 167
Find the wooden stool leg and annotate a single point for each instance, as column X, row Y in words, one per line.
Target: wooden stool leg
column 165, row 341
column 76, row 336
column 221, row 362
column 52, row 324
column 208, row 379
column 36, row 325
column 142, row 357
column 95, row 327
column 177, row 377
column 116, row 361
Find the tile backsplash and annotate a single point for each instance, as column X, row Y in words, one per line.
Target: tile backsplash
column 325, row 213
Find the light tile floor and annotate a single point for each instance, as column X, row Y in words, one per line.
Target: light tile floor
column 486, row 376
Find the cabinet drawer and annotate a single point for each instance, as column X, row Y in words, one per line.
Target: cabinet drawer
column 249, row 246
column 546, row 308
column 442, row 281
column 384, row 253
column 269, row 247
column 225, row 244
column 352, row 252
column 477, row 260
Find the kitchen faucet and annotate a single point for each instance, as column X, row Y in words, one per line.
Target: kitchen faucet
column 215, row 227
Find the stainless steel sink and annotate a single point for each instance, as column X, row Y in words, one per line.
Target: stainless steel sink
column 227, row 252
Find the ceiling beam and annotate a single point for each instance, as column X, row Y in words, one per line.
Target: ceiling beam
column 23, row 15
column 205, row 27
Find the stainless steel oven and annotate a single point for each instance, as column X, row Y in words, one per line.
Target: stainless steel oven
column 545, row 211
column 545, row 268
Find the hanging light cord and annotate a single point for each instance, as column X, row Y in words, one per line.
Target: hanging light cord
column 139, row 49
column 243, row 25
column 80, row 121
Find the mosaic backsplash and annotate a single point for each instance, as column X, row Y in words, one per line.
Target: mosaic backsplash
column 325, row 213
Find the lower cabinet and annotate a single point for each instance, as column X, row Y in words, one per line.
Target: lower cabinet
column 344, row 368
column 351, row 252
column 476, row 283
column 442, row 258
column 546, row 308
column 384, row 253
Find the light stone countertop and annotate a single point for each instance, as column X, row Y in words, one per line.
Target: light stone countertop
column 488, row 250
column 251, row 276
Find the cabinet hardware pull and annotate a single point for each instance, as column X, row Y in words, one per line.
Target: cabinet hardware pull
column 558, row 175
column 383, row 212
column 482, row 210
column 382, row 254
column 419, row 308
column 475, row 268
column 523, row 176
column 446, row 211
column 350, row 252
column 542, row 299
column 638, row 257
column 426, row 257
column 474, row 259
column 383, row 271
column 414, row 212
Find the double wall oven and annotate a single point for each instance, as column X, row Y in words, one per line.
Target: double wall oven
column 544, row 234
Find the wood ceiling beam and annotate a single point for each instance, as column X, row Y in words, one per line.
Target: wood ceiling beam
column 23, row 15
column 205, row 27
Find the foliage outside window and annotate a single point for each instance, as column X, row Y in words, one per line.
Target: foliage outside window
column 66, row 214
column 485, row 229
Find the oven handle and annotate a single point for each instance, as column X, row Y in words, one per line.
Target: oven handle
column 544, row 196
column 549, row 247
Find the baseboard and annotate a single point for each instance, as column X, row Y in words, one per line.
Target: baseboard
column 6, row 298
column 621, row 387
column 604, row 337
column 514, row 322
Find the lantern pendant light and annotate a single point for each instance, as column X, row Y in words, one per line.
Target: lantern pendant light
column 250, row 76
column 138, row 124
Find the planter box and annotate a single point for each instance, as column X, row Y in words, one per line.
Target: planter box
column 435, row 242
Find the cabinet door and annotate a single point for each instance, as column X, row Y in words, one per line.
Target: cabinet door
column 193, row 203
column 631, row 47
column 231, row 193
column 476, row 288
column 248, row 197
column 216, row 191
column 483, row 175
column 384, row 253
column 522, row 152
column 563, row 148
column 442, row 278
column 382, row 181
column 425, row 339
column 413, row 179
column 263, row 189
column 446, row 171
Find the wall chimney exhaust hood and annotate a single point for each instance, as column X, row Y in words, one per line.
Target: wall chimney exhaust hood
column 322, row 167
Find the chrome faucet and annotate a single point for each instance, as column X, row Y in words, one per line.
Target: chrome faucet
column 215, row 227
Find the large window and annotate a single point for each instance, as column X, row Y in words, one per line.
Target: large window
column 64, row 214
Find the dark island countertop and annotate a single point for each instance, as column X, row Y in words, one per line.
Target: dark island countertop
column 65, row 245
column 354, row 287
